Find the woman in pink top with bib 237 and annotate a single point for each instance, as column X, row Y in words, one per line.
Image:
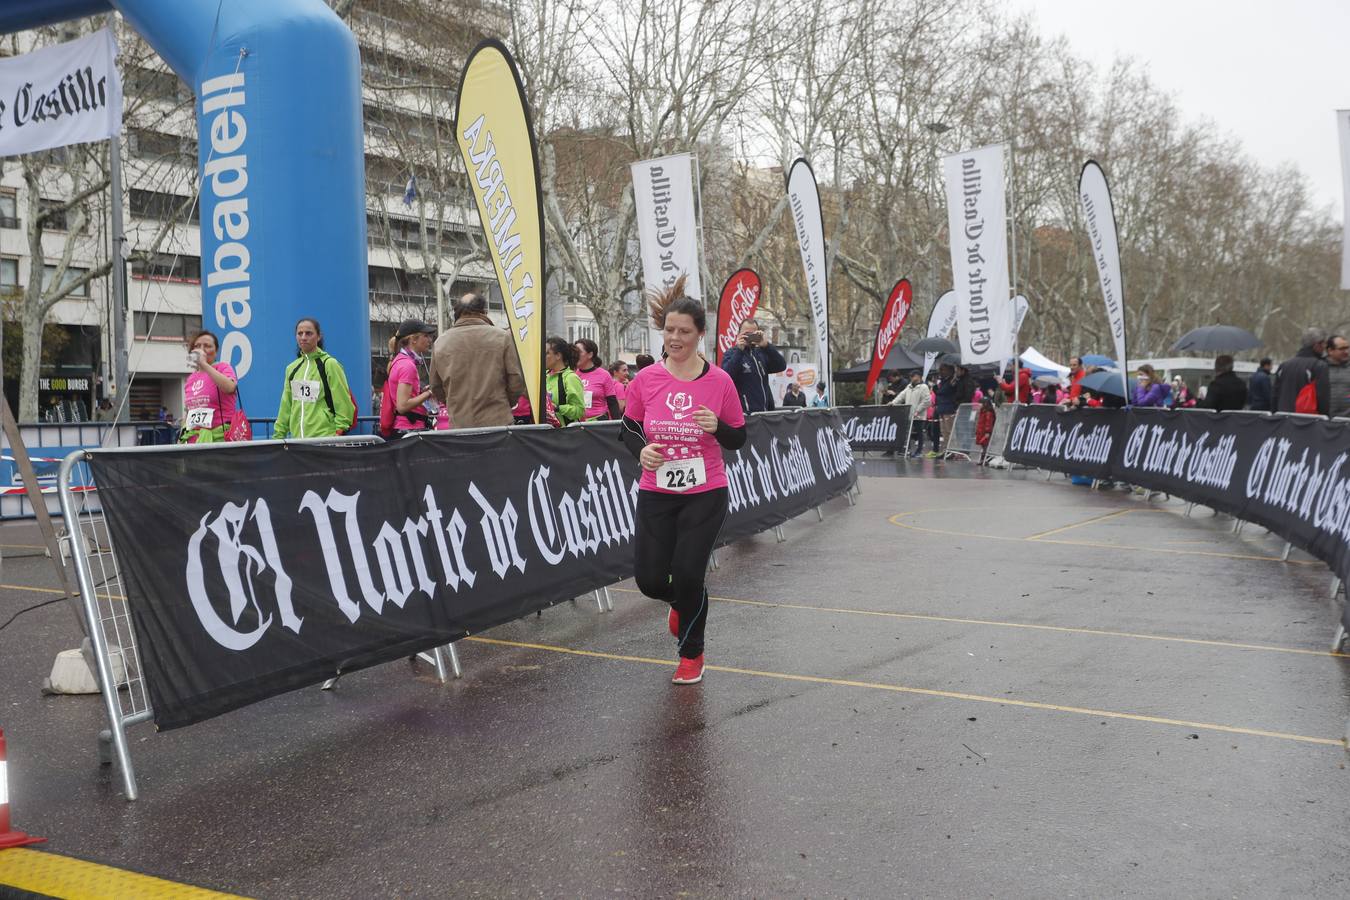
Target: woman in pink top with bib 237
column 681, row 413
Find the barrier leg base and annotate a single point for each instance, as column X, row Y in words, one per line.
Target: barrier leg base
column 851, row 501
column 330, row 683
column 599, row 601
column 453, row 656
column 1284, row 557
column 820, row 516
column 1338, row 643
column 1189, row 507
column 1336, row 586
column 778, row 532
column 609, row 600
column 712, row 561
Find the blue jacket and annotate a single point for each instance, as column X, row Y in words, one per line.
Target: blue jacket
column 1259, row 393
column 750, row 370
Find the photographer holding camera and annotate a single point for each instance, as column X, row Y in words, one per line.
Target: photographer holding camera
column 750, row 363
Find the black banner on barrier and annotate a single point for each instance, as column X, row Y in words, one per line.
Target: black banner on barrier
column 1078, row 441
column 253, row 570
column 1286, row 473
column 876, row 427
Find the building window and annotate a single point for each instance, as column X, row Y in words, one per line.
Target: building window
column 168, row 267
column 152, row 84
column 9, row 210
column 166, row 327
column 145, row 144
column 9, row 276
column 72, row 275
column 55, row 219
column 163, row 207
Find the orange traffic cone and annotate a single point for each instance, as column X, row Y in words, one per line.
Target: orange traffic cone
column 9, row 838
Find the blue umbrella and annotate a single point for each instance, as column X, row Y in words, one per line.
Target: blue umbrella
column 1104, row 383
column 1096, row 359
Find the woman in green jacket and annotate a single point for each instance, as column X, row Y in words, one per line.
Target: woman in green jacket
column 564, row 386
column 315, row 398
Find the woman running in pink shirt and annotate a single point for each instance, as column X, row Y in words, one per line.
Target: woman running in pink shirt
column 681, row 413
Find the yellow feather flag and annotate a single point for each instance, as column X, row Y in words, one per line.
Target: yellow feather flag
column 496, row 140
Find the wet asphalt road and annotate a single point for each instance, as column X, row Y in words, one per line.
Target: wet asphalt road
column 970, row 684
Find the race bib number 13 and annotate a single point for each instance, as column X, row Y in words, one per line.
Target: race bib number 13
column 304, row 391
column 681, row 475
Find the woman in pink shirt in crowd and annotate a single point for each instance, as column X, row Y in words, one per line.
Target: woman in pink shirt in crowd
column 403, row 391
column 209, row 395
column 619, row 372
column 599, row 395
column 681, row 413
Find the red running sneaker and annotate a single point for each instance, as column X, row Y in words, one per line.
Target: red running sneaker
column 674, row 621
column 689, row 671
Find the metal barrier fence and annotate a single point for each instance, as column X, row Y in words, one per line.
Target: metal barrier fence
column 103, row 594
column 48, row 443
column 1003, row 422
column 962, row 439
column 104, row 597
column 1341, row 641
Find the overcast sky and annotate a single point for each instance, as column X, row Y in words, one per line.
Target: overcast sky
column 1270, row 72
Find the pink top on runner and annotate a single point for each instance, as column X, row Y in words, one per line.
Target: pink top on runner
column 599, row 384
column 665, row 406
column 404, row 371
column 201, row 391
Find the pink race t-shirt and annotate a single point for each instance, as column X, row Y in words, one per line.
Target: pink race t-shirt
column 403, row 371
column 665, row 406
column 201, row 392
column 598, row 384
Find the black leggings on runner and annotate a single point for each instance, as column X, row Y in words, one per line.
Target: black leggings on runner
column 675, row 538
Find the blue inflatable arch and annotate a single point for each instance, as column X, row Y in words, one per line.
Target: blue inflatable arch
column 283, row 208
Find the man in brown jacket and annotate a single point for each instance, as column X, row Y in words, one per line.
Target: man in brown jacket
column 475, row 370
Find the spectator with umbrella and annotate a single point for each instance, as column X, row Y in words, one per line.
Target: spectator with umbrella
column 1226, row 391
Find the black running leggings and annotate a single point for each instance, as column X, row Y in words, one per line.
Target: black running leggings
column 675, row 538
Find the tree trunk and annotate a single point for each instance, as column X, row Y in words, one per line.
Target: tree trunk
column 31, row 328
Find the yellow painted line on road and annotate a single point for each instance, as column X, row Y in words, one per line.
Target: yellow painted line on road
column 1063, row 629
column 40, row 590
column 928, row 692
column 51, row 875
column 894, row 520
column 1102, row 518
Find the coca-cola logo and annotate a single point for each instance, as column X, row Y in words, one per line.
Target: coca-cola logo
column 740, row 302
column 891, row 327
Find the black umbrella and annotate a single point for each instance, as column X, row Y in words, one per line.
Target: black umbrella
column 1217, row 337
column 935, row 345
column 898, row 360
column 1105, row 383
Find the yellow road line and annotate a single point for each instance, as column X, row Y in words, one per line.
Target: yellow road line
column 928, row 692
column 1101, row 518
column 1063, row 629
column 61, row 876
column 38, row 590
column 998, row 537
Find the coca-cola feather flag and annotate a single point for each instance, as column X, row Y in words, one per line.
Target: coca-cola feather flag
column 888, row 329
column 740, row 297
